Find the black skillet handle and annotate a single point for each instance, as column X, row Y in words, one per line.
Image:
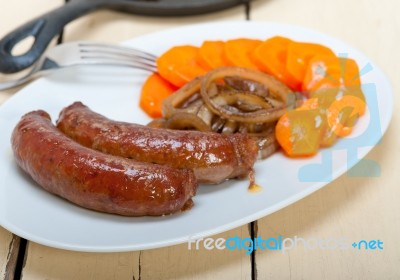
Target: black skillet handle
column 43, row 29
column 46, row 27
column 168, row 8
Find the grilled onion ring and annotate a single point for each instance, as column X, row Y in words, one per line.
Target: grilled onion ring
column 230, row 100
column 276, row 88
column 172, row 103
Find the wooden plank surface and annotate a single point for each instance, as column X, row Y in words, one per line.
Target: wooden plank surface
column 175, row 262
column 48, row 263
column 354, row 208
column 9, row 247
column 178, row 262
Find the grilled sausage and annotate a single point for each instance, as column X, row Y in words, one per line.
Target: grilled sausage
column 96, row 180
column 213, row 157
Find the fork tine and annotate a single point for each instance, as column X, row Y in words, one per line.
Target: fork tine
column 112, row 55
column 116, row 56
column 123, row 63
column 93, row 59
column 117, row 50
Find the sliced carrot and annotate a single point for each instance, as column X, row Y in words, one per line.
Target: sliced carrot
column 179, row 65
column 322, row 100
column 343, row 113
column 328, row 135
column 237, row 52
column 330, row 113
column 308, row 104
column 340, row 108
column 328, row 95
column 326, row 71
column 349, row 71
column 356, row 91
column 320, row 71
column 270, row 57
column 211, row 55
column 299, row 55
column 298, row 132
column 325, row 96
column 318, row 122
column 154, row 91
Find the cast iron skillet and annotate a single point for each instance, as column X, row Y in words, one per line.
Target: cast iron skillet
column 47, row 26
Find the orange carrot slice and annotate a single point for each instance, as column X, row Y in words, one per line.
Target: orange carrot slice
column 237, row 52
column 179, row 65
column 299, row 55
column 349, row 71
column 298, row 132
column 211, row 55
column 270, row 57
column 154, row 91
column 326, row 71
column 321, row 70
column 343, row 113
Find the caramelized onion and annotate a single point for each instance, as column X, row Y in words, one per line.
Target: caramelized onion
column 172, row 103
column 244, row 85
column 230, row 100
column 157, row 123
column 276, row 89
column 186, row 121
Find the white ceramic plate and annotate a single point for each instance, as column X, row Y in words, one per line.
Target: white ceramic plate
column 30, row 212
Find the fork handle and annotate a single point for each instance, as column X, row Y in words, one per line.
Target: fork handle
column 43, row 29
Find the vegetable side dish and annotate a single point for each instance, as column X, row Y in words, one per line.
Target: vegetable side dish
column 299, row 95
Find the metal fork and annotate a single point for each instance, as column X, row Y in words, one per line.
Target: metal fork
column 85, row 53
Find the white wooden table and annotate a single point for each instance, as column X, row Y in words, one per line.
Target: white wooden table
column 358, row 208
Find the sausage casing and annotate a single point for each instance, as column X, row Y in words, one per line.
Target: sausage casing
column 213, row 157
column 96, row 180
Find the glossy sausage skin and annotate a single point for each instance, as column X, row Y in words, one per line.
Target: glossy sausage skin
column 213, row 157
column 93, row 179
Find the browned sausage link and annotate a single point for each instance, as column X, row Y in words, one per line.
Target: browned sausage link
column 213, row 157
column 93, row 179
